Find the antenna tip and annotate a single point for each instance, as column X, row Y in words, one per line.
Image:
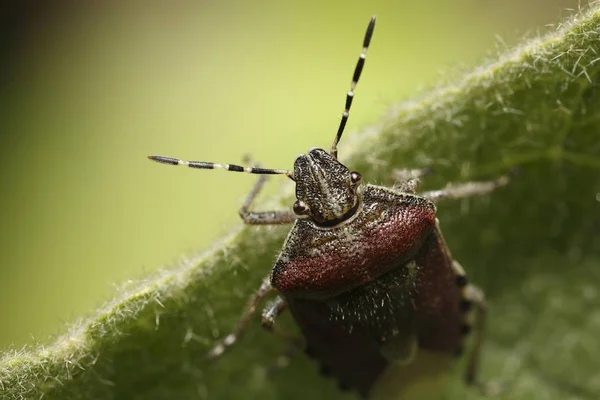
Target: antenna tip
column 155, row 158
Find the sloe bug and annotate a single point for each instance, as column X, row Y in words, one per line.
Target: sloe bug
column 364, row 270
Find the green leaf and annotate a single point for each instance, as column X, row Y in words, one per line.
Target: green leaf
column 534, row 246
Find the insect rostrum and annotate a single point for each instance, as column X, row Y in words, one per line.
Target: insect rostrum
column 364, row 270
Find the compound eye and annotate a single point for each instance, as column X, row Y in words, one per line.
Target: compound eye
column 355, row 177
column 300, row 208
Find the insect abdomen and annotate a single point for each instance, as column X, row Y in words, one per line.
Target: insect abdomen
column 352, row 358
column 417, row 305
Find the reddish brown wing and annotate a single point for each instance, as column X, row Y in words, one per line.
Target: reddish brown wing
column 437, row 300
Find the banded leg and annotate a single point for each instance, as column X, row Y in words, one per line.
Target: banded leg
column 264, row 289
column 263, row 217
column 467, row 189
column 472, row 301
column 475, row 295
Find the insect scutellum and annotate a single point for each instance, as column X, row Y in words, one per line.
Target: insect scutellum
column 326, row 190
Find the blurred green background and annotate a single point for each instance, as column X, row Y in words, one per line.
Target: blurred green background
column 89, row 90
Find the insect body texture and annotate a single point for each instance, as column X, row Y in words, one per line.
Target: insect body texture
column 364, row 270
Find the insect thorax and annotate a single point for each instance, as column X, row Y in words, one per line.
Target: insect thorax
column 386, row 233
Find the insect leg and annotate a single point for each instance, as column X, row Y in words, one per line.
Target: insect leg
column 263, row 217
column 475, row 295
column 264, row 289
column 472, row 301
column 467, row 189
column 270, row 314
column 407, row 180
column 296, row 343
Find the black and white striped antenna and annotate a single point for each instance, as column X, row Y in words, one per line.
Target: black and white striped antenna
column 267, row 171
column 355, row 77
column 228, row 167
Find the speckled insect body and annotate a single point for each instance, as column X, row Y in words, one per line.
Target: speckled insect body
column 364, row 270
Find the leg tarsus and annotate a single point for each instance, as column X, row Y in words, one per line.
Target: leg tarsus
column 263, row 217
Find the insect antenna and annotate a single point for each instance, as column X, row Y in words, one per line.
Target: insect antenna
column 355, row 77
column 228, row 167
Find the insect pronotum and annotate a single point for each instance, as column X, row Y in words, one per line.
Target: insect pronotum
column 364, row 270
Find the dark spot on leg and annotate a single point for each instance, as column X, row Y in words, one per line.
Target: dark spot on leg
column 461, row 281
column 466, row 305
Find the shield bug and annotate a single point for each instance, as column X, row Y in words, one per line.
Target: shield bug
column 364, row 270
